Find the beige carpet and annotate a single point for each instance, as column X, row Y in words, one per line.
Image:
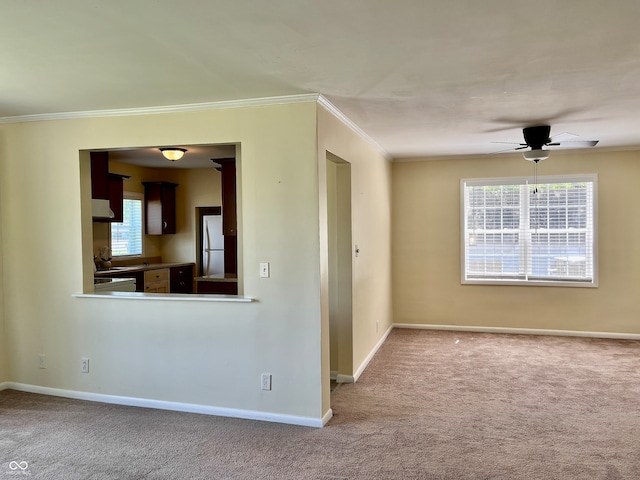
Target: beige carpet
column 431, row 405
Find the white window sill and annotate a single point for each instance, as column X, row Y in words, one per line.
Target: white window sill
column 176, row 297
column 531, row 283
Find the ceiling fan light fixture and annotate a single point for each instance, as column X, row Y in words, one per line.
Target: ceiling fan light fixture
column 536, row 155
column 173, row 154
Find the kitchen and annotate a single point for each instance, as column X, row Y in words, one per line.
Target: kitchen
column 163, row 226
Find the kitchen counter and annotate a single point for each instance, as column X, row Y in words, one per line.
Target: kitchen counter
column 220, row 277
column 157, row 277
column 139, row 268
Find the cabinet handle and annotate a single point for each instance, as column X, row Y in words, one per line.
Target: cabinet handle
column 164, row 225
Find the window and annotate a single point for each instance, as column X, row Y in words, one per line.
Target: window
column 515, row 232
column 126, row 237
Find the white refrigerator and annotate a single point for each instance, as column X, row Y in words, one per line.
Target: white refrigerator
column 212, row 245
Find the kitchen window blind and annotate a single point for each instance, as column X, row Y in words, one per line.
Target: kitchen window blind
column 518, row 232
column 126, row 237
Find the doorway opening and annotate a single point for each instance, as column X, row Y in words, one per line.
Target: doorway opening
column 340, row 268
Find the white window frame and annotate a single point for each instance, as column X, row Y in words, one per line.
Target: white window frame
column 528, row 181
column 132, row 196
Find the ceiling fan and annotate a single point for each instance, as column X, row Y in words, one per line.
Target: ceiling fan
column 537, row 137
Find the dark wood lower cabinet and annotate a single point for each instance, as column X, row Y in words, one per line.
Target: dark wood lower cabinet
column 224, row 288
column 181, row 279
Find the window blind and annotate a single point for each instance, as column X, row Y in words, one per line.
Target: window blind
column 516, row 231
column 126, row 237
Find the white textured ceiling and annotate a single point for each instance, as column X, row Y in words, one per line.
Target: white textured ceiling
column 420, row 77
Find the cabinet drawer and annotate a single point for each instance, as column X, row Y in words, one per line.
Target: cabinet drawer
column 157, row 275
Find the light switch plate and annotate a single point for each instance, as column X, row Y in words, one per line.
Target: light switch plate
column 264, row 269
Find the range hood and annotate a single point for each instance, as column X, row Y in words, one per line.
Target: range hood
column 101, row 209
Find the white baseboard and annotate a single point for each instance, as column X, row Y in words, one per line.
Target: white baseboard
column 375, row 349
column 521, row 331
column 4, row 386
column 173, row 406
column 341, row 378
column 327, row 416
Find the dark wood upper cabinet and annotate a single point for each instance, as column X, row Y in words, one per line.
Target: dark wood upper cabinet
column 116, row 196
column 106, row 186
column 228, row 181
column 100, row 175
column 160, row 207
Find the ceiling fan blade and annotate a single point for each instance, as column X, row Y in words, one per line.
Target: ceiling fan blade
column 574, row 144
column 513, row 143
column 508, row 149
column 561, row 136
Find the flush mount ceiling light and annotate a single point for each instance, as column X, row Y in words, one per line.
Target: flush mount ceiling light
column 173, row 154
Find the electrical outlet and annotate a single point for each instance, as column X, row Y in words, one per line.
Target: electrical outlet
column 85, row 365
column 266, row 381
column 41, row 360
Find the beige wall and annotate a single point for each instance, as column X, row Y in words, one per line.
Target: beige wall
column 196, row 188
column 426, row 249
column 194, row 352
column 371, row 226
column 4, row 357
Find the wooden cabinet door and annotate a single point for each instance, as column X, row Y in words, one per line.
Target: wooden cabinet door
column 229, row 215
column 168, row 194
column 160, row 208
column 116, row 196
column 181, row 279
column 99, row 175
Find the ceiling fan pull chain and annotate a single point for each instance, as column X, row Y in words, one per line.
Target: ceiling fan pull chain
column 535, row 177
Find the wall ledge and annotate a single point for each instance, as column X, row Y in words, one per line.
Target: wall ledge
column 175, row 297
column 172, row 406
column 521, row 331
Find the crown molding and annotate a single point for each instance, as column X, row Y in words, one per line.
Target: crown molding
column 196, row 107
column 192, row 107
column 349, row 123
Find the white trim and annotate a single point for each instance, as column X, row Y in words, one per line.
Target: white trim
column 340, row 378
column 197, row 107
column 375, row 349
column 4, row 386
column 192, row 107
column 349, row 123
column 173, row 406
column 326, row 417
column 521, row 331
